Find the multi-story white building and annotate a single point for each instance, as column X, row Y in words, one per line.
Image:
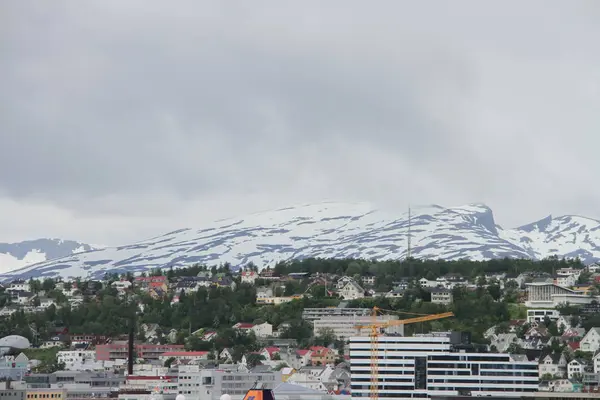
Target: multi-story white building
column 441, row 296
column 443, row 364
column 549, row 295
column 345, row 326
column 311, row 314
column 209, row 384
column 77, row 360
column 539, row 315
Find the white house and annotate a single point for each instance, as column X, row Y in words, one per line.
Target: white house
column 46, row 302
column 596, row 363
column 18, row 285
column 368, row 279
column 553, row 364
column 576, row 367
column 425, row 283
column 591, row 341
column 352, row 291
column 565, row 322
column 249, row 276
column 343, row 281
column 502, row 341
column 261, row 330
column 121, row 285
column 226, row 354
column 441, row 296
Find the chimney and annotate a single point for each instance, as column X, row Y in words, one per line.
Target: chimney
column 130, row 352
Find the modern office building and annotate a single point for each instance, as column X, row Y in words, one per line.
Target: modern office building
column 440, row 364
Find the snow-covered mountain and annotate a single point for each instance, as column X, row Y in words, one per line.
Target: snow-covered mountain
column 18, row 255
column 338, row 230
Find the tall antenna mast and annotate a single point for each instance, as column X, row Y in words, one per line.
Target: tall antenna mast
column 409, row 235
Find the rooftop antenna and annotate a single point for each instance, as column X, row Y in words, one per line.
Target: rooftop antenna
column 409, row 235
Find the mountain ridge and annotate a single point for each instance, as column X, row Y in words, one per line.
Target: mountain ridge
column 334, row 229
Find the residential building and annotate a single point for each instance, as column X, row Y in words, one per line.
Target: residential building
column 18, row 285
column 596, row 363
column 346, row 326
column 311, row 314
column 210, row 384
column 184, row 355
column 368, row 279
column 352, row 291
column 322, row 355
column 576, row 368
column 553, row 364
column 539, row 315
column 118, row 350
column 8, row 391
column 260, row 330
column 90, row 339
column 591, row 341
column 53, row 394
column 13, row 367
column 441, row 296
column 438, row 364
column 276, row 300
column 249, row 276
column 502, row 341
column 121, row 285
column 77, row 360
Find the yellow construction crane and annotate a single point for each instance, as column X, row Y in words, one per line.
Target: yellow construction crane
column 375, row 327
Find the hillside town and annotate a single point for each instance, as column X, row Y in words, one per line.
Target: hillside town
column 549, row 332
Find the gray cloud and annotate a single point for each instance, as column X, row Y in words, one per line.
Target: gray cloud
column 149, row 116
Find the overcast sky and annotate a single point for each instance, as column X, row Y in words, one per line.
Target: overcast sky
column 124, row 119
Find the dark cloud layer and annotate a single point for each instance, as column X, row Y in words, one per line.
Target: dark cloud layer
column 120, row 119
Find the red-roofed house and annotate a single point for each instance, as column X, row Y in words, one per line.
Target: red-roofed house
column 269, row 352
column 574, row 346
column 322, row 355
column 184, row 355
column 249, row 277
column 303, row 358
column 261, row 330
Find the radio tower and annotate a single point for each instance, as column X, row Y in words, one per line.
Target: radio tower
column 409, row 235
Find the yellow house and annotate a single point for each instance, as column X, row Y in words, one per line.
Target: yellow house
column 37, row 394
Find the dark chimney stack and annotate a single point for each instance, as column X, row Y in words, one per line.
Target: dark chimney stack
column 130, row 352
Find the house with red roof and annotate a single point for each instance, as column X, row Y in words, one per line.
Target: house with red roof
column 260, row 330
column 322, row 355
column 271, row 353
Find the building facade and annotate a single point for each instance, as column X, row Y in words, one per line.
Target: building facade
column 311, row 314
column 209, row 384
column 434, row 365
column 345, row 327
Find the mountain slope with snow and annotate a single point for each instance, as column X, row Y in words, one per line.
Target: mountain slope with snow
column 18, row 255
column 338, row 230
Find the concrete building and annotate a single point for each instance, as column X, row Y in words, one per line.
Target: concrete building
column 439, row 364
column 9, row 392
column 77, row 360
column 116, row 351
column 441, row 296
column 311, row 314
column 549, row 295
column 345, row 327
column 210, row 384
column 539, row 315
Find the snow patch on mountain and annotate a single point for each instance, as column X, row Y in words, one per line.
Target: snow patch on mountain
column 339, row 230
column 18, row 255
